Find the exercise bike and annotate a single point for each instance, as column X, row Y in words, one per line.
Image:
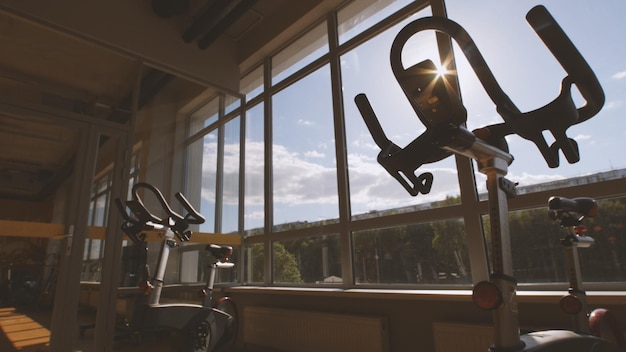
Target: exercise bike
column 440, row 109
column 200, row 327
column 569, row 214
column 221, row 260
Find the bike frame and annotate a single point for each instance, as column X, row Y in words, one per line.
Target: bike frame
column 572, row 242
column 207, row 327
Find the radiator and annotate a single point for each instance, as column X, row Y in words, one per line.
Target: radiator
column 285, row 330
column 456, row 337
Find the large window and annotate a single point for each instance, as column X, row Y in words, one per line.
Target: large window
column 297, row 168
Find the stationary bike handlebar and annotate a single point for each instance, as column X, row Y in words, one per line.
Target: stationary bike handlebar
column 144, row 219
column 446, row 108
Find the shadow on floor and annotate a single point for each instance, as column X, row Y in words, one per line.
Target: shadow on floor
column 20, row 332
column 29, row 331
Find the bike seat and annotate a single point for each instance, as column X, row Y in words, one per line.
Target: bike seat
column 570, row 212
column 220, row 252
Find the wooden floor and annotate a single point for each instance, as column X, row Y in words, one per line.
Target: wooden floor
column 29, row 331
column 20, row 332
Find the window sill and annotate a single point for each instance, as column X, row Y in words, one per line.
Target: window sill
column 452, row 295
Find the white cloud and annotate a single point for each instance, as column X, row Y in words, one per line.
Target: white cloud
column 305, row 122
column 374, row 189
column 619, row 75
column 314, row 154
column 582, row 137
column 300, row 181
column 614, row 104
column 533, row 179
column 255, row 215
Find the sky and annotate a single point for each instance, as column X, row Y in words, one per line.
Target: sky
column 305, row 185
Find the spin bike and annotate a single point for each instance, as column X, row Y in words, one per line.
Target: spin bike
column 200, row 327
column 440, row 109
column 569, row 214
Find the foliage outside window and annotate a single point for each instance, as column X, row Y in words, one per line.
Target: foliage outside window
column 427, row 253
column 539, row 257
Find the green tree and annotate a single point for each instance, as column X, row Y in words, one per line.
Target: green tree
column 285, row 265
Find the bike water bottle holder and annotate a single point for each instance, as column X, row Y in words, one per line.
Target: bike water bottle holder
column 440, row 109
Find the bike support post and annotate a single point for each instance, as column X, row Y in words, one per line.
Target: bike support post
column 571, row 244
column 505, row 317
column 494, row 163
column 155, row 295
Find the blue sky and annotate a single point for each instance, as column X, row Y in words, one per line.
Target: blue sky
column 531, row 76
column 304, row 160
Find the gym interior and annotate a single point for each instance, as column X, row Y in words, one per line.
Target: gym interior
column 247, row 108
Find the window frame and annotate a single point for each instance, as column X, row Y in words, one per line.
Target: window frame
column 470, row 209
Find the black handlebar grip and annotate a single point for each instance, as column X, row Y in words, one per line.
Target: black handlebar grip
column 570, row 59
column 373, row 125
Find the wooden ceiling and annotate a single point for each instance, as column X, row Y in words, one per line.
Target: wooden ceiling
column 52, row 64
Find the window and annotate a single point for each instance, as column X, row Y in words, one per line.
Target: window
column 230, row 218
column 212, row 157
column 361, row 15
column 98, row 216
column 305, row 50
column 366, row 69
column 314, row 194
column 205, row 116
column 312, row 260
column 427, row 253
column 539, row 256
column 254, row 200
column 252, row 83
column 202, row 172
column 303, row 152
column 98, row 210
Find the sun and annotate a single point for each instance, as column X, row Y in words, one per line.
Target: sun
column 442, row 70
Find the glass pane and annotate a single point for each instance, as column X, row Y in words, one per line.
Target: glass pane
column 302, row 52
column 531, row 76
column 230, row 201
column 195, row 266
column 312, row 260
column 205, row 116
column 254, row 212
column 304, row 167
column 231, row 103
column 252, row 84
column 366, row 70
column 201, row 172
column 427, row 253
column 100, row 210
column 539, row 257
column 361, row 15
column 254, row 261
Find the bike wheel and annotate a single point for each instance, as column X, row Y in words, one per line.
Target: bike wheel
column 227, row 305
